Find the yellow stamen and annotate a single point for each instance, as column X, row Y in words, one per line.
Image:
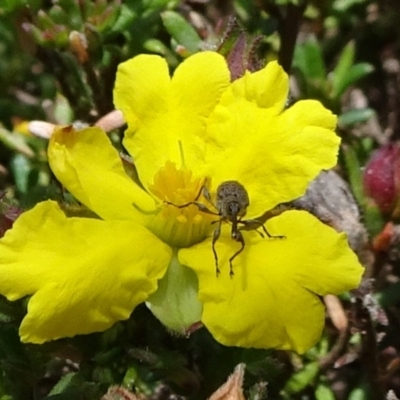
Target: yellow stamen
column 185, row 226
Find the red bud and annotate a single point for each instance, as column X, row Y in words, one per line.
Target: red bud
column 382, row 177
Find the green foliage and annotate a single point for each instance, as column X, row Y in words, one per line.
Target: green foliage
column 324, row 392
column 182, row 33
column 301, row 379
column 329, row 88
column 58, row 61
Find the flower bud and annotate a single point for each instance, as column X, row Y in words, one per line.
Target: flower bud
column 382, row 178
column 240, row 50
column 8, row 214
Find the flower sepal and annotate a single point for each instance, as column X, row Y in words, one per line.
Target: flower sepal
column 175, row 302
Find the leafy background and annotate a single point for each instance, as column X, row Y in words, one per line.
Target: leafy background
column 58, row 61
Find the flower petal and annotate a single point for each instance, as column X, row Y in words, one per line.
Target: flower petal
column 83, row 274
column 269, row 303
column 323, row 261
column 166, row 117
column 142, row 89
column 87, row 164
column 273, row 152
column 256, row 87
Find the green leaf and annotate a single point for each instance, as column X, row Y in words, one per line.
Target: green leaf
column 181, row 31
column 373, row 218
column 302, row 378
column 64, row 383
column 344, row 5
column 345, row 73
column 58, row 15
column 353, row 117
column 124, row 20
column 63, row 112
column 130, row 377
column 360, row 393
column 86, row 391
column 21, row 168
column 73, row 386
column 156, row 46
column 345, row 62
column 354, row 171
column 354, row 74
column 323, row 392
column 44, row 21
column 15, row 142
column 157, row 4
column 308, row 59
column 72, row 9
column 9, row 5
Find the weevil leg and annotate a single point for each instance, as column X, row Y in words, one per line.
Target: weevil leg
column 257, row 223
column 216, row 235
column 239, row 238
column 253, row 224
column 200, row 206
column 206, row 194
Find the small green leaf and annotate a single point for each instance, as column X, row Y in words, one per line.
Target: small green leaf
column 157, row 4
column 21, row 168
column 156, row 46
column 64, row 383
column 354, row 117
column 125, row 19
column 16, row 142
column 302, row 378
column 354, row 171
column 360, row 393
column 372, row 217
column 345, row 73
column 44, row 20
column 181, row 31
column 323, row 392
column 77, row 390
column 353, row 74
column 308, row 59
column 72, row 9
column 63, row 112
column 344, row 5
column 130, row 377
column 58, row 15
column 345, row 62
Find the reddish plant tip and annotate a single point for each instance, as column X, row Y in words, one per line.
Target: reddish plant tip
column 383, row 240
column 7, row 217
column 382, row 177
column 243, row 56
column 8, row 214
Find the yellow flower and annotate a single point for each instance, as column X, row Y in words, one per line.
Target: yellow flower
column 194, row 130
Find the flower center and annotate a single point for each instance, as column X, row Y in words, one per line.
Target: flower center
column 179, row 223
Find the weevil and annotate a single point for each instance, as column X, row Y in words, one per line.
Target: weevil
column 232, row 201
